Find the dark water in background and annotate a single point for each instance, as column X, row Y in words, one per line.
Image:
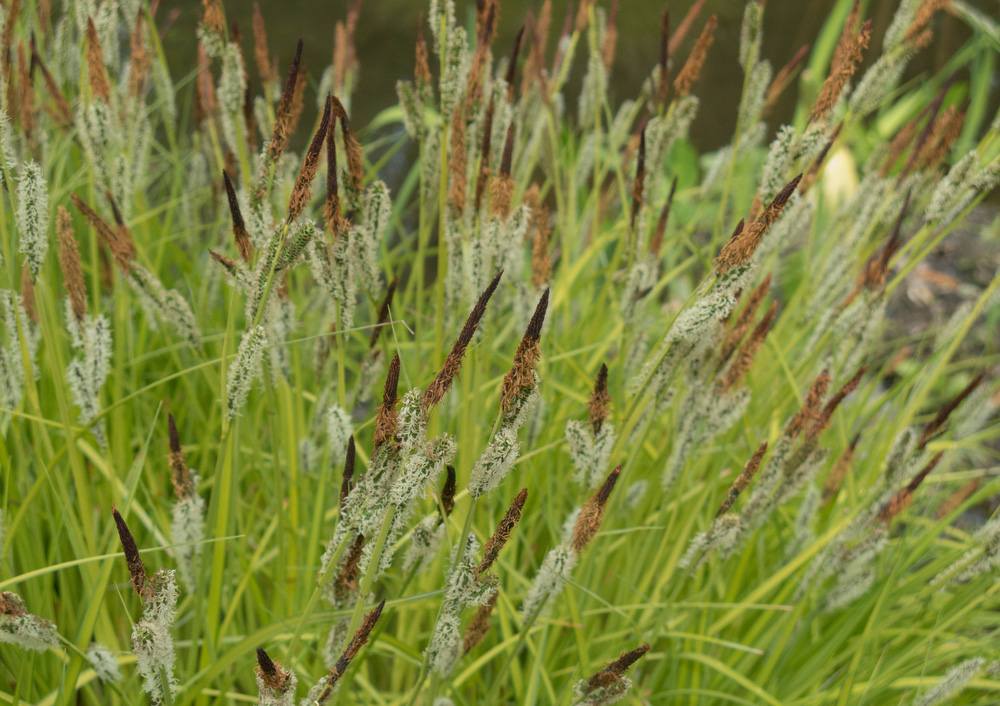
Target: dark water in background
column 387, row 30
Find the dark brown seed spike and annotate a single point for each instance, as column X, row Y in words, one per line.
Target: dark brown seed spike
column 609, row 484
column 119, row 221
column 639, row 186
column 448, row 492
column 383, row 312
column 781, row 198
column 285, row 104
column 131, row 551
column 266, row 665
column 175, row 439
column 534, row 330
column 346, row 485
column 234, row 204
column 508, row 151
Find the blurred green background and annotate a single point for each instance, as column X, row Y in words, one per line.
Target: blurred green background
column 387, row 30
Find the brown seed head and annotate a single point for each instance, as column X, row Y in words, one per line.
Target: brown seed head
column 743, row 321
column 600, row 398
column 612, row 674
column 131, row 551
column 809, row 414
column 923, row 16
column 69, row 261
column 610, row 43
column 685, row 26
column 839, row 471
column 383, row 313
column 240, row 235
column 352, row 148
column 783, row 79
column 179, row 472
column 692, row 67
column 592, row 513
column 749, row 350
column 742, row 481
column 453, row 363
column 302, row 191
column 541, row 263
column 842, row 52
column 347, row 579
column 267, row 71
column 348, row 482
column 448, row 491
column 656, row 243
column 520, row 379
column 95, row 65
column 139, row 61
column 901, row 500
column 422, row 69
column 741, row 246
column 350, row 652
column 479, row 625
column 28, row 293
column 958, row 498
column 663, row 87
column 512, row 64
column 639, row 185
column 12, row 605
column 385, row 421
column 282, row 119
column 118, row 242
column 271, row 673
column 502, row 188
column 824, row 416
column 840, row 74
column 947, row 129
column 496, row 542
column 484, row 161
column 457, row 162
column 332, row 216
column 934, row 426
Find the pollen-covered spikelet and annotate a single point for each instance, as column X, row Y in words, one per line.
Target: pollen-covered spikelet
column 901, row 500
column 520, row 379
column 118, row 241
column 692, row 67
column 933, row 427
column 283, row 113
column 352, row 148
column 95, row 65
column 841, row 72
column 599, row 400
column 302, row 190
column 742, row 481
column 187, row 527
column 810, row 409
column 385, row 421
column 839, row 471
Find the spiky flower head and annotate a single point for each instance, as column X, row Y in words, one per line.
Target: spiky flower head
column 592, row 514
column 33, row 216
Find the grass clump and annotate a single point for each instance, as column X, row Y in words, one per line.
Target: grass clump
column 681, row 360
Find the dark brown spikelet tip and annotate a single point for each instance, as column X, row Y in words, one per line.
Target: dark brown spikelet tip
column 122, row 250
column 383, row 313
column 592, row 513
column 934, row 426
column 448, row 491
column 685, row 26
column 810, row 410
column 512, row 64
column 612, row 674
column 743, row 321
column 265, row 68
column 492, row 549
column 600, row 398
column 95, row 65
column 823, row 419
column 131, row 551
column 348, row 482
column 741, row 246
column 28, row 293
column 69, row 261
column 692, row 67
column 502, row 187
column 179, row 472
column 358, row 641
column 385, row 421
column 272, row 675
column 484, row 153
column 901, row 500
column 240, row 235
column 839, row 471
column 663, row 88
column 352, row 148
column 742, row 481
column 283, row 113
column 302, row 191
column 748, row 352
column 422, row 69
column 520, row 379
column 453, row 363
column 347, row 578
column 479, row 625
column 656, row 242
column 958, row 498
column 639, row 185
column 332, row 215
